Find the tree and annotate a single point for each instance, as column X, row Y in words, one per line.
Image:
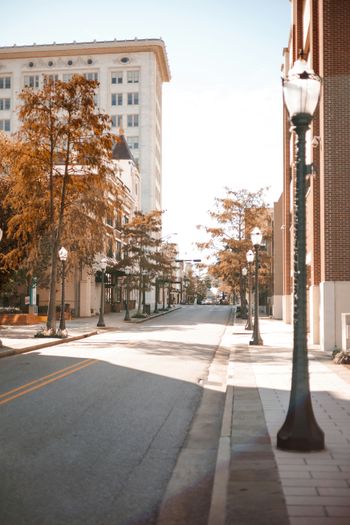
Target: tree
column 166, row 267
column 141, row 239
column 234, row 216
column 60, row 178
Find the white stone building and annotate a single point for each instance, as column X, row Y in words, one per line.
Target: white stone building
column 130, row 73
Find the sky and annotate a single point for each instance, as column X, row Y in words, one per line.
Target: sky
column 222, row 109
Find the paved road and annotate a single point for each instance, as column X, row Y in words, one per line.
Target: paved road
column 90, row 431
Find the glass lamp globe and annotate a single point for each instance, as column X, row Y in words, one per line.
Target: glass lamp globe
column 250, row 256
column 63, row 254
column 301, row 89
column 256, row 236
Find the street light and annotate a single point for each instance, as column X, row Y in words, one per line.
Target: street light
column 62, row 331
column 1, row 233
column 256, row 237
column 103, row 266
column 127, row 313
column 156, row 296
column 300, row 430
column 250, row 259
column 244, row 274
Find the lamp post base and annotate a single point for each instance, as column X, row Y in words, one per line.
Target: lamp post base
column 300, row 430
column 101, row 321
column 248, row 325
column 256, row 341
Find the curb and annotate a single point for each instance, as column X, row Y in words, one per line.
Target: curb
column 16, row 351
column 217, row 510
column 153, row 315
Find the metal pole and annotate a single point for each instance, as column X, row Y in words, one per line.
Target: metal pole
column 62, row 325
column 156, row 298
column 257, row 339
column 101, row 321
column 248, row 325
column 127, row 313
column 300, row 430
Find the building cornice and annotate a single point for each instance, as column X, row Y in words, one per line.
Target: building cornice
column 155, row 46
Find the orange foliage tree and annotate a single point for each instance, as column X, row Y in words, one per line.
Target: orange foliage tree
column 60, row 176
column 233, row 218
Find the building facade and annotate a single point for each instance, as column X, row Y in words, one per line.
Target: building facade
column 83, row 284
column 320, row 28
column 130, row 75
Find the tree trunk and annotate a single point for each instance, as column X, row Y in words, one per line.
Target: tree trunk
column 139, row 295
column 51, row 311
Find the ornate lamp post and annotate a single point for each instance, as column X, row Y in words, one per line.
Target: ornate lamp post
column 1, row 232
column 127, row 313
column 62, row 331
column 256, row 237
column 103, row 266
column 300, row 430
column 250, row 259
column 156, row 296
column 244, row 274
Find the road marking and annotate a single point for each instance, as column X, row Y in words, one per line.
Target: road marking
column 6, row 397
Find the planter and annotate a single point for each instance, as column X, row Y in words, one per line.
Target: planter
column 19, row 319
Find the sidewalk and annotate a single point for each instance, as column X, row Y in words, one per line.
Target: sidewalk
column 273, row 487
column 20, row 339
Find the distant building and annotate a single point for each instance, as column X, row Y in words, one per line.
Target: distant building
column 130, row 73
column 321, row 29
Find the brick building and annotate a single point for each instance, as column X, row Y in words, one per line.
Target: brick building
column 320, row 28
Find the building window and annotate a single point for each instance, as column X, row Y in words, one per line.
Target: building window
column 117, row 121
column 117, row 99
column 117, row 77
column 91, row 76
column 5, row 125
column 118, row 220
column 31, row 81
column 5, row 103
column 67, row 77
column 50, row 78
column 133, row 98
column 118, row 253
column 133, row 77
column 5, row 82
column 133, row 121
column 133, row 142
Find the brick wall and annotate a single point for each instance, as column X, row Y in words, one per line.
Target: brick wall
column 335, row 147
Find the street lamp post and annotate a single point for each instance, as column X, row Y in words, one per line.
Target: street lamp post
column 250, row 259
column 62, row 331
column 300, row 430
column 127, row 312
column 103, row 266
column 256, row 237
column 156, row 296
column 1, row 232
column 245, row 276
column 144, row 275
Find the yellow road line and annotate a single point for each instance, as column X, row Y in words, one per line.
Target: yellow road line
column 50, row 378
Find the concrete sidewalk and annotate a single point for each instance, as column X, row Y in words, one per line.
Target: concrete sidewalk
column 20, row 339
column 266, row 485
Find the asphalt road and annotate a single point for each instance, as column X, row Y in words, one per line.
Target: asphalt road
column 90, row 431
